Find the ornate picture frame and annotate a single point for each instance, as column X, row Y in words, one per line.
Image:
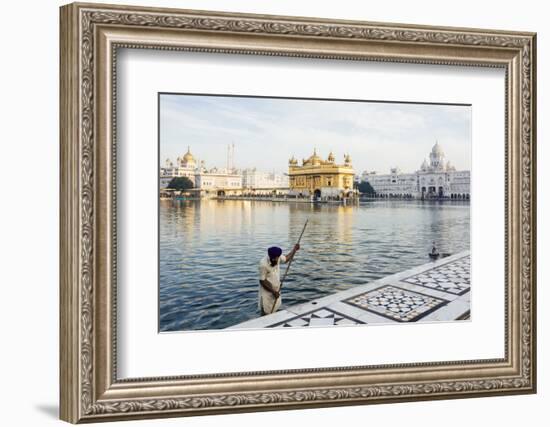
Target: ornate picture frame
column 90, row 37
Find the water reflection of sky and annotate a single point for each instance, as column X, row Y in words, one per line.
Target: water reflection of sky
column 209, row 251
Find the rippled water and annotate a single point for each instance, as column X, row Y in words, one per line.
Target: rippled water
column 210, row 249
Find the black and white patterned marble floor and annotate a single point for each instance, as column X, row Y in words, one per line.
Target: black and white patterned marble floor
column 319, row 317
column 453, row 278
column 396, row 303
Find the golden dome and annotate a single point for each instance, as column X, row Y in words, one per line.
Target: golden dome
column 330, row 157
column 188, row 157
column 347, row 158
column 314, row 159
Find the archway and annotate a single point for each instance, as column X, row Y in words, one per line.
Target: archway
column 317, row 193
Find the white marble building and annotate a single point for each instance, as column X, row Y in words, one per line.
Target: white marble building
column 205, row 181
column 255, row 179
column 221, row 180
column 218, row 180
column 436, row 179
column 185, row 166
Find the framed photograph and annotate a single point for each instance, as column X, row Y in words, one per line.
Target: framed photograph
column 267, row 212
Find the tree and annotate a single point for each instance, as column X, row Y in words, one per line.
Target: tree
column 365, row 188
column 180, row 183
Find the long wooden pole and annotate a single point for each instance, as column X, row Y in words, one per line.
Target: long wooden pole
column 288, row 265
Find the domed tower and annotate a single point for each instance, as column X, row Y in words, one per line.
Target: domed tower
column 292, row 161
column 315, row 160
column 437, row 157
column 347, row 160
column 188, row 160
column 330, row 157
column 424, row 166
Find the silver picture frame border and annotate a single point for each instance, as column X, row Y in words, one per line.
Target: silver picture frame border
column 90, row 35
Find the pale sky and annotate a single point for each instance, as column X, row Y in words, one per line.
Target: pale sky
column 268, row 131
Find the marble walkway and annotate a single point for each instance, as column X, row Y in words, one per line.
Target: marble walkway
column 435, row 291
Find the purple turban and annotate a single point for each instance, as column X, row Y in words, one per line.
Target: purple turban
column 274, row 252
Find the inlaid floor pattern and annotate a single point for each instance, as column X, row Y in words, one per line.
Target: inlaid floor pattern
column 397, row 303
column 453, row 278
column 320, row 317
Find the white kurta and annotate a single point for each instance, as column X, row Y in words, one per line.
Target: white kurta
column 271, row 274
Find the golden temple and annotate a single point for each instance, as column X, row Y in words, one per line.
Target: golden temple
column 321, row 178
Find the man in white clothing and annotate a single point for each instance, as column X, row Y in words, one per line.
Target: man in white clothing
column 269, row 292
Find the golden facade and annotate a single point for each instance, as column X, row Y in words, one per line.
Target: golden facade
column 321, row 178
